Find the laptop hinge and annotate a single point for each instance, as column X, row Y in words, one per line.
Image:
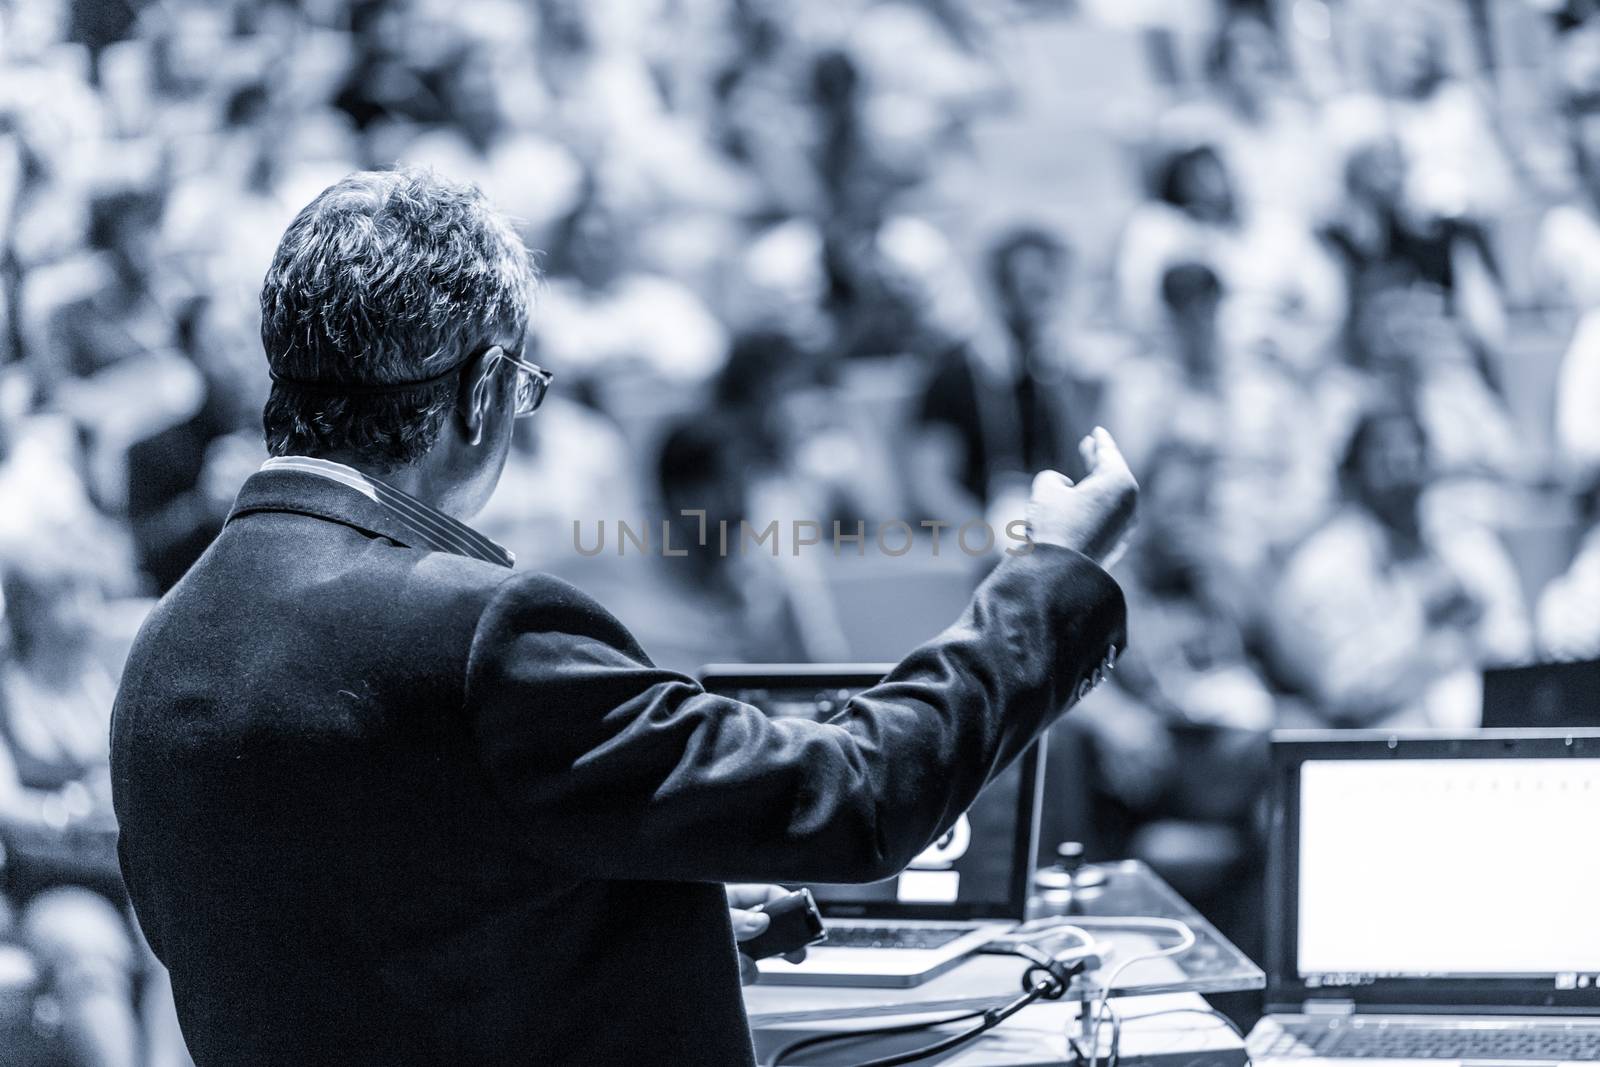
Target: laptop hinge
column 1327, row 1006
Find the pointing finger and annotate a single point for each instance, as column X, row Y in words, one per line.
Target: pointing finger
column 1107, row 456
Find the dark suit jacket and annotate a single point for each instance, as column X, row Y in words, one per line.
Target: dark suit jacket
column 382, row 805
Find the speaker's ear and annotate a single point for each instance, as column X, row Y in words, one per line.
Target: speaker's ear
column 480, row 396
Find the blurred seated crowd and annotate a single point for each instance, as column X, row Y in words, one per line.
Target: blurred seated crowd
column 1329, row 270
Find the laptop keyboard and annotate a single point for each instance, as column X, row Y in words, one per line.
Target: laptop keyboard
column 1407, row 1042
column 895, row 936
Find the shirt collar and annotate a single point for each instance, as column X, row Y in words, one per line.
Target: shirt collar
column 433, row 528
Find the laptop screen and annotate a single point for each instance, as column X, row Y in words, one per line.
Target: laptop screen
column 1421, row 871
column 978, row 869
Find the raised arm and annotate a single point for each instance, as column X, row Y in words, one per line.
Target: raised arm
column 617, row 769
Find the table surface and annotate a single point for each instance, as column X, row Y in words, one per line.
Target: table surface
column 1130, row 891
column 1164, row 1019
column 1174, row 1030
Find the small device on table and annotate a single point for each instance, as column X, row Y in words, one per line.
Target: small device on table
column 793, row 923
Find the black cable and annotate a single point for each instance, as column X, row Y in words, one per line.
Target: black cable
column 1045, row 979
column 801, row 1044
column 991, row 1019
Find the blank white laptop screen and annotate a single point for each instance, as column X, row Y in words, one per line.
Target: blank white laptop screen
column 1449, row 867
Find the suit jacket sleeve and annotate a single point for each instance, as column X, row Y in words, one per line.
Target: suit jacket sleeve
column 618, row 769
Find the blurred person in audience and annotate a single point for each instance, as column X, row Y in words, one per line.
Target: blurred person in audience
column 779, row 282
column 1403, row 341
column 57, row 121
column 981, row 429
column 42, row 491
column 607, row 99
column 1240, row 402
column 798, row 459
column 1569, row 250
column 1456, row 166
column 705, row 605
column 878, row 293
column 120, row 314
column 896, row 284
column 1266, row 130
column 757, row 106
column 387, row 79
column 1175, row 388
column 221, row 223
column 929, row 75
column 195, row 54
column 1271, row 268
column 781, row 403
column 1199, row 384
column 1567, row 613
column 58, row 677
column 182, row 480
column 487, row 133
column 1388, row 613
column 1197, row 665
column 108, row 354
column 1383, row 240
column 857, row 181
column 601, row 315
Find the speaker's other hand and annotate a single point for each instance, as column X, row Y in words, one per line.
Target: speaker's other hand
column 748, row 923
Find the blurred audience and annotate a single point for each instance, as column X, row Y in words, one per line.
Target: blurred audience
column 63, row 646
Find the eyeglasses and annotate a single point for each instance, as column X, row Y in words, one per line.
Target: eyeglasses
column 533, row 382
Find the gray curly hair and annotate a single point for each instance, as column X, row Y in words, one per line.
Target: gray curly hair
column 386, row 277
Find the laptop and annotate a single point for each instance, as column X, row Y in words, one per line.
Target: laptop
column 967, row 888
column 1433, row 898
column 1542, row 694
